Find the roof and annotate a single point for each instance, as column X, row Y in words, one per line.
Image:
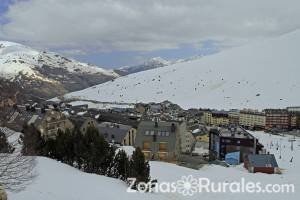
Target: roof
column 216, row 113
column 233, row 132
column 252, row 112
column 117, row 118
column 276, row 111
column 78, row 121
column 113, row 132
column 33, row 119
column 161, row 125
column 262, row 160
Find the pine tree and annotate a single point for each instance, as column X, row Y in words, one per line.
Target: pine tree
column 60, row 141
column 4, row 146
column 108, row 159
column 99, row 155
column 120, row 166
column 78, row 149
column 32, row 141
column 139, row 167
column 49, row 148
column 69, row 147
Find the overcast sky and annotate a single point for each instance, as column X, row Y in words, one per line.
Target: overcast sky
column 124, row 32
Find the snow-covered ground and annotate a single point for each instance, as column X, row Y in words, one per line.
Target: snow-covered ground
column 61, row 182
column 12, row 137
column 101, row 105
column 260, row 75
column 128, row 150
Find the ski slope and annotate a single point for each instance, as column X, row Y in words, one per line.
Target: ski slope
column 61, row 182
column 260, row 75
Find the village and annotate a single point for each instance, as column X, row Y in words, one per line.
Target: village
column 164, row 131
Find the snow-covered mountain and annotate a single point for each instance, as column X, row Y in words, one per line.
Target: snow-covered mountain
column 152, row 63
column 26, row 69
column 259, row 75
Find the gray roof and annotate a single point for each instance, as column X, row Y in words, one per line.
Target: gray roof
column 113, row 132
column 235, row 132
column 78, row 121
column 161, row 124
column 262, row 160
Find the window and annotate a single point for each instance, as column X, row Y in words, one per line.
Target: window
column 146, row 145
column 152, row 133
column 162, row 156
column 167, row 134
column 163, row 146
column 159, row 133
column 147, row 133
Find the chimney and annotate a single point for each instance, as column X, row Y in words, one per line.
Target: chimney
column 173, row 128
column 156, row 122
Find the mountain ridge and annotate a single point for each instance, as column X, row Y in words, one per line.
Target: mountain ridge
column 44, row 74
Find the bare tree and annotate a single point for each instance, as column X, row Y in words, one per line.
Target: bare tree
column 16, row 170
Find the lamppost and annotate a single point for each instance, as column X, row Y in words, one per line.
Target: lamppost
column 280, row 148
column 292, row 143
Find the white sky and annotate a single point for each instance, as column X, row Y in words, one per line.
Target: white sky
column 81, row 26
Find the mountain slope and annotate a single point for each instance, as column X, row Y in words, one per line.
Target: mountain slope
column 44, row 74
column 152, row 63
column 261, row 75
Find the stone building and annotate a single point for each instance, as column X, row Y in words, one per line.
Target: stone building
column 50, row 123
column 164, row 140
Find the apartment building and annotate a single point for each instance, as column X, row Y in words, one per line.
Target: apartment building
column 252, row 119
column 295, row 116
column 206, row 117
column 293, row 109
column 234, row 116
column 216, row 118
column 50, row 123
column 277, row 118
column 160, row 140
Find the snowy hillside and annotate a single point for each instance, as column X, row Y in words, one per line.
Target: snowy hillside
column 16, row 58
column 261, row 75
column 36, row 75
column 152, row 63
column 61, row 182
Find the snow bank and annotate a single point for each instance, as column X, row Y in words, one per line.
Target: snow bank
column 61, row 182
